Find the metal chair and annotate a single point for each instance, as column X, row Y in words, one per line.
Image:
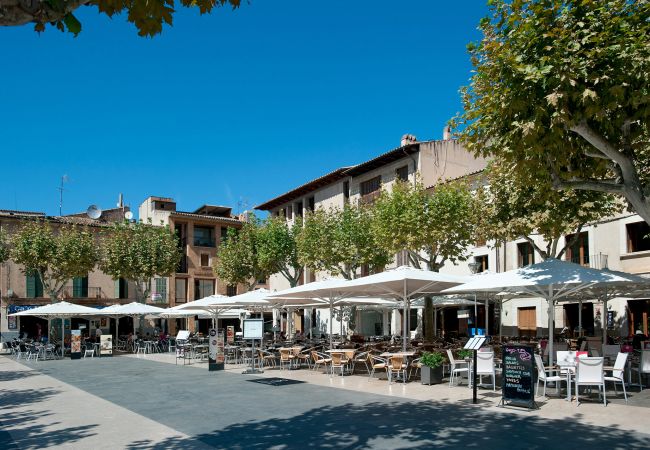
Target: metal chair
column 589, row 372
column 618, row 373
column 543, row 375
column 376, row 363
column 456, row 367
column 396, row 366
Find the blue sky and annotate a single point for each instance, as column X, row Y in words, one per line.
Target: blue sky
column 231, row 108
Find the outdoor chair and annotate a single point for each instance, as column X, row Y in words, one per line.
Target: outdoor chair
column 456, row 367
column 267, row 358
column 286, row 357
column 320, row 359
column 643, row 367
column 376, row 363
column 360, row 358
column 415, row 366
column 485, row 366
column 303, row 357
column 589, row 372
column 396, row 366
column 618, row 373
column 89, row 352
column 21, row 351
column 610, row 352
column 339, row 361
column 583, row 345
column 543, row 375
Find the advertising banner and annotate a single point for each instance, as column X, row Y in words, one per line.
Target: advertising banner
column 75, row 345
column 106, row 345
column 230, row 334
column 216, row 350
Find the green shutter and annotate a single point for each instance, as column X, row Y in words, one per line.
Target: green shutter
column 161, row 287
column 116, row 293
column 80, row 287
column 30, row 281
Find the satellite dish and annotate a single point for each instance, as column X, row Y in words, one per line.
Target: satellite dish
column 128, row 215
column 94, row 212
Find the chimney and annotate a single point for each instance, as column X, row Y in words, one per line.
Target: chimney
column 446, row 133
column 408, row 139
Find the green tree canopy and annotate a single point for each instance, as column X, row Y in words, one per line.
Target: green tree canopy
column 147, row 16
column 277, row 248
column 138, row 252
column 341, row 241
column 562, row 87
column 238, row 260
column 56, row 256
column 515, row 205
column 432, row 227
column 4, row 248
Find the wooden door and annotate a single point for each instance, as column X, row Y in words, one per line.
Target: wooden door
column 527, row 321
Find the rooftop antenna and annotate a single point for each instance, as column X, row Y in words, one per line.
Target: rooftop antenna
column 64, row 179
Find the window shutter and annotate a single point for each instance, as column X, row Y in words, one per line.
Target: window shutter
column 30, row 281
column 116, row 293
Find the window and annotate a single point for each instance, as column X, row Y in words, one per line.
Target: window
column 525, row 254
column 311, row 204
column 224, row 234
column 80, row 287
column 121, row 288
column 203, row 288
column 299, row 209
column 205, row 260
column 578, row 252
column 370, row 189
column 34, row 285
column 181, row 290
column 346, row 190
column 637, row 237
column 402, row 258
column 483, row 261
column 402, row 173
column 231, row 290
column 289, row 212
column 370, row 186
column 204, row 236
column 161, row 290
column 261, row 281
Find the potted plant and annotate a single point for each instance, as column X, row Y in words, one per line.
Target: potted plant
column 464, row 354
column 431, row 370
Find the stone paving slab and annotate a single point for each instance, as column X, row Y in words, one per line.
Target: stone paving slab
column 38, row 411
column 226, row 410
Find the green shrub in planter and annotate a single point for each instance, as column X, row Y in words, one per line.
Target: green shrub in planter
column 462, row 353
column 431, row 371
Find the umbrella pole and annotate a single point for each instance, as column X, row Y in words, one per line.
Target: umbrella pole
column 487, row 322
column 605, row 320
column 406, row 306
column 551, row 314
column 580, row 318
column 62, row 337
column 331, row 306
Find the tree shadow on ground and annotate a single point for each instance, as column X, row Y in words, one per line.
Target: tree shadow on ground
column 13, row 376
column 394, row 425
column 33, row 428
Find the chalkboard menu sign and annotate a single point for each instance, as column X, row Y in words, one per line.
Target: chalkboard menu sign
column 519, row 375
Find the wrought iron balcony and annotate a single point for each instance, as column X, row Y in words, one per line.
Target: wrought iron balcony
column 81, row 292
column 598, row 261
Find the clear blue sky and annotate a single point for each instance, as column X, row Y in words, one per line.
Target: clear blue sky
column 236, row 106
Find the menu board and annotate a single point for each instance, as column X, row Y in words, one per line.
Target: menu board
column 253, row 328
column 75, row 344
column 216, row 351
column 230, row 334
column 106, row 345
column 519, row 375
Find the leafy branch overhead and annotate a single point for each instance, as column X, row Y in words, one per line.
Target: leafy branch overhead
column 561, row 89
column 148, row 16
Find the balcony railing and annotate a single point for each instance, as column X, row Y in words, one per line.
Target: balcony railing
column 370, row 198
column 598, row 261
column 78, row 292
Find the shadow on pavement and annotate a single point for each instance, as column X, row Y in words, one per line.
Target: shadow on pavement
column 409, row 425
column 30, row 429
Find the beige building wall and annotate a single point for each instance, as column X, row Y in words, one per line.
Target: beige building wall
column 446, row 160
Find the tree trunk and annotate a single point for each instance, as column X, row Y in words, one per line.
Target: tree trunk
column 427, row 319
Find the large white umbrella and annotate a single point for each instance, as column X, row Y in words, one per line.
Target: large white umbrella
column 219, row 304
column 403, row 284
column 327, row 292
column 133, row 309
column 59, row 310
column 551, row 279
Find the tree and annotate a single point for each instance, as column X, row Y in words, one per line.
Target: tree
column 277, row 249
column 430, row 228
column 341, row 242
column 138, row 252
column 561, row 87
column 147, row 16
column 238, row 259
column 518, row 205
column 56, row 257
column 4, row 248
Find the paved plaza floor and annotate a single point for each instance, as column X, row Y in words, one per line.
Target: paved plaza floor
column 136, row 402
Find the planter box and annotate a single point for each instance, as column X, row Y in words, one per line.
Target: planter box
column 431, row 376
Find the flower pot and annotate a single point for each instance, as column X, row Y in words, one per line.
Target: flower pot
column 431, row 376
